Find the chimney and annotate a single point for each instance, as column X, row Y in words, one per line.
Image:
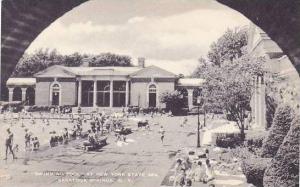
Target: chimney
column 141, row 62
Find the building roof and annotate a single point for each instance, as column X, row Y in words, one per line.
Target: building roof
column 21, row 82
column 153, row 71
column 62, row 71
column 55, row 71
column 108, row 70
column 195, row 82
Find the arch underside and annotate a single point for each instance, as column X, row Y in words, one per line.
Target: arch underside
column 22, row 21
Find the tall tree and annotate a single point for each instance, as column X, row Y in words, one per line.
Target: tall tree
column 228, row 47
column 230, row 87
column 30, row 64
column 110, row 59
column 73, row 60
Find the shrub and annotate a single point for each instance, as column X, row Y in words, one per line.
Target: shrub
column 271, row 106
column 284, row 170
column 174, row 101
column 226, row 140
column 254, row 169
column 281, row 125
column 255, row 139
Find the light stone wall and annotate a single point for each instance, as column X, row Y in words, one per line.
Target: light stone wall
column 42, row 93
column 139, row 93
column 68, row 93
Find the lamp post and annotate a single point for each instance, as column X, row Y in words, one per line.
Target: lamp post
column 198, row 129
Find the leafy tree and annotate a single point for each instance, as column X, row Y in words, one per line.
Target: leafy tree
column 174, row 101
column 110, row 59
column 228, row 47
column 73, row 60
column 30, row 64
column 230, row 87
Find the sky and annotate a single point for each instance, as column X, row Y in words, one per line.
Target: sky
column 172, row 34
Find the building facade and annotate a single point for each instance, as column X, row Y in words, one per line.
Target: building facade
column 276, row 62
column 105, row 86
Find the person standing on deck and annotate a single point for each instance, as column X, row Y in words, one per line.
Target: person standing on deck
column 9, row 144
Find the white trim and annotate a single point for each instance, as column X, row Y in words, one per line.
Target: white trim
column 157, row 93
column 51, row 91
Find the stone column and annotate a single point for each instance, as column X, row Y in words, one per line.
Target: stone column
column 23, row 93
column 10, row 94
column 95, row 94
column 111, row 99
column 79, row 93
column 190, row 98
column 127, row 94
column 259, row 102
column 263, row 120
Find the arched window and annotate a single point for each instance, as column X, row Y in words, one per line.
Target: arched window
column 152, row 95
column 152, row 88
column 55, row 91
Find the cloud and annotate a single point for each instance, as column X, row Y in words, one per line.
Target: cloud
column 177, row 39
column 136, row 19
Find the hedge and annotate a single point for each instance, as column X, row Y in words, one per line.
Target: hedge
column 281, row 125
column 36, row 108
column 226, row 140
column 271, row 106
column 254, row 169
column 256, row 140
column 284, row 170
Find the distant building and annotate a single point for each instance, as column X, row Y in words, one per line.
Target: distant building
column 101, row 86
column 288, row 88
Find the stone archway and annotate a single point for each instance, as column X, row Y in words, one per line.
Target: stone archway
column 23, row 21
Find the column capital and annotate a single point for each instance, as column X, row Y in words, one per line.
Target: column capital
column 10, row 89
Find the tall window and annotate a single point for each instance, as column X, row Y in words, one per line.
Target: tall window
column 152, row 95
column 55, row 94
column 119, row 93
column 87, row 93
column 103, row 93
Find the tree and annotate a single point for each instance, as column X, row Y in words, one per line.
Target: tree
column 30, row 64
column 73, row 60
column 110, row 59
column 230, row 87
column 228, row 47
column 174, row 101
column 284, row 170
column 281, row 125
